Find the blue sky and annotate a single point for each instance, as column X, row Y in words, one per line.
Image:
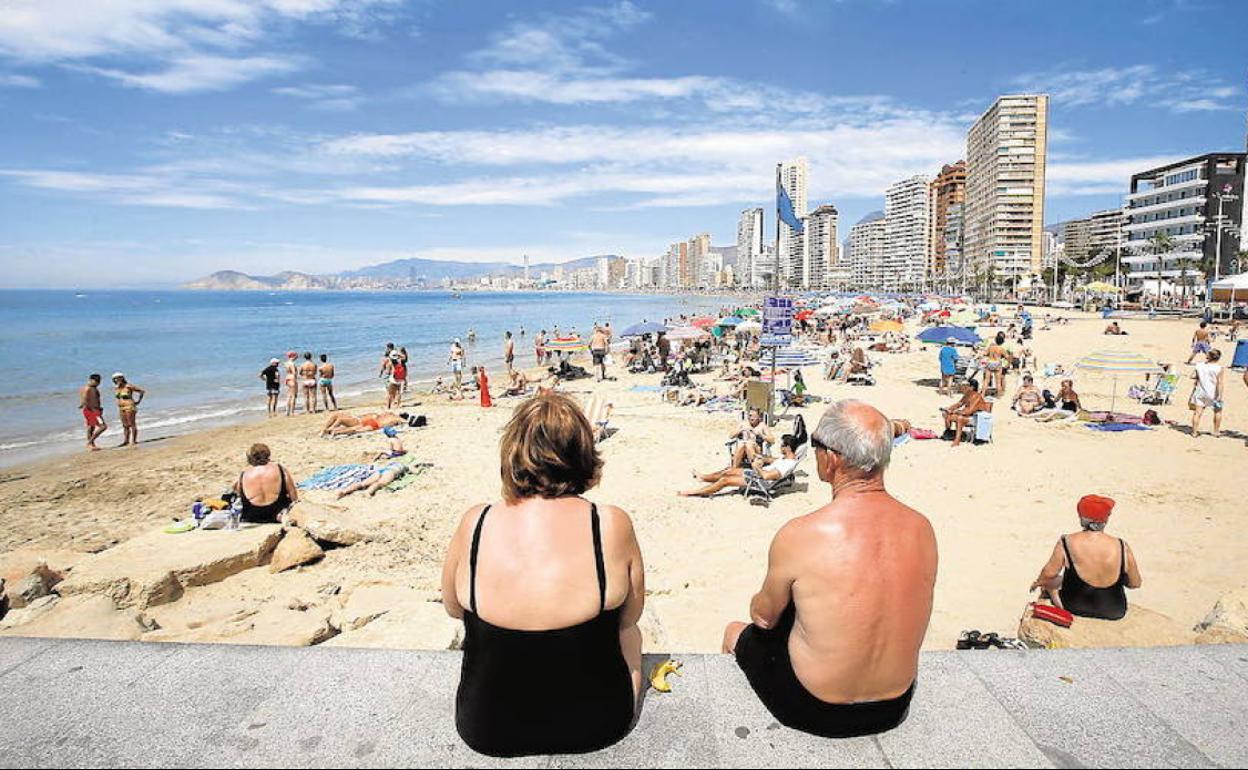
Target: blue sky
column 146, row 142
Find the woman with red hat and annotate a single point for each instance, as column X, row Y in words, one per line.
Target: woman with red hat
column 1089, row 571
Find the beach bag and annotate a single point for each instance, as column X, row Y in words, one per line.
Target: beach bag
column 417, row 421
column 215, row 520
column 983, row 426
column 1055, row 615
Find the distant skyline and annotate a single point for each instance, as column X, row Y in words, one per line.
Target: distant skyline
column 151, row 142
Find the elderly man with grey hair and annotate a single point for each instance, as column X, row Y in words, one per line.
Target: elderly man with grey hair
column 833, row 649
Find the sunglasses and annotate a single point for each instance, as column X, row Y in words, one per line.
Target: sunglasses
column 817, row 444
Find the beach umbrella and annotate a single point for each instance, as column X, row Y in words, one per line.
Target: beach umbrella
column 731, row 320
column 703, row 322
column 802, row 315
column 793, row 357
column 887, row 326
column 641, row 329
column 1100, row 287
column 747, row 312
column 964, row 318
column 687, row 333
column 1117, row 363
column 749, row 326
column 963, row 335
column 566, row 344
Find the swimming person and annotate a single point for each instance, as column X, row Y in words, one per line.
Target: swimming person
column 1106, row 566
column 547, row 583
column 128, row 396
column 92, row 410
column 325, row 375
column 271, row 384
column 266, row 491
column 833, row 648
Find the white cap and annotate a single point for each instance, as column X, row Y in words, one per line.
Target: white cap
column 951, row 340
column 118, row 374
column 274, row 361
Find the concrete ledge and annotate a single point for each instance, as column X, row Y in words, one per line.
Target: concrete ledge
column 75, row 703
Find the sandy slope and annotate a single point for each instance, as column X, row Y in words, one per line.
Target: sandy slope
column 997, row 509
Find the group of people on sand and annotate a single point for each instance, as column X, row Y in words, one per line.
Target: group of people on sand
column 315, row 380
column 128, row 397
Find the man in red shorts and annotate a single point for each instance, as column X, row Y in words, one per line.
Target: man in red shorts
column 92, row 411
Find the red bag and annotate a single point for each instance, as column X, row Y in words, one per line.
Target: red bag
column 1055, row 615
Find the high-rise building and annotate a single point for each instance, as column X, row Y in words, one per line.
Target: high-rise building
column 822, row 269
column 699, row 247
column 953, row 272
column 792, row 254
column 907, row 233
column 866, row 252
column 1097, row 234
column 948, row 191
column 1184, row 201
column 749, row 246
column 1005, row 172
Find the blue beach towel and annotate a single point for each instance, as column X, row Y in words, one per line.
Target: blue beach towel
column 645, row 388
column 1116, row 427
column 337, row 476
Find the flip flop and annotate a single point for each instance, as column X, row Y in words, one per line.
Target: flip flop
column 178, row 527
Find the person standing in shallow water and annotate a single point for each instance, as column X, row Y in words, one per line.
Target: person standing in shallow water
column 92, row 410
column 325, row 375
column 271, row 377
column 128, row 396
column 833, row 647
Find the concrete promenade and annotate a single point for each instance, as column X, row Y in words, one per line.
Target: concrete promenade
column 78, row 703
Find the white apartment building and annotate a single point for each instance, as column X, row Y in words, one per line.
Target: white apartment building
column 1005, row 174
column 793, row 175
column 749, row 246
column 951, row 240
column 866, row 252
column 909, row 212
column 822, row 268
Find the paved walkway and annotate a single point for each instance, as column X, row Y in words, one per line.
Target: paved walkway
column 78, row 703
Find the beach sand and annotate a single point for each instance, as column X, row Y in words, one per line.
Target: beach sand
column 997, row 509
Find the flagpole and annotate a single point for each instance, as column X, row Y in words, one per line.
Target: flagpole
column 776, row 269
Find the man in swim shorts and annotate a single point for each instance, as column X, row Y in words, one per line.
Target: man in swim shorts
column 325, row 374
column 92, row 410
column 271, row 387
column 833, row 648
column 1201, row 342
column 307, row 383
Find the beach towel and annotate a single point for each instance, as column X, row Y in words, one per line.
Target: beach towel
column 922, row 434
column 414, row 469
column 904, row 438
column 1117, row 427
column 646, row 388
column 337, row 476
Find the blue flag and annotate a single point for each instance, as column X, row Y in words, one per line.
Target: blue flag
column 784, row 206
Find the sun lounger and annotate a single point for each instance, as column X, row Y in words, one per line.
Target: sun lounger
column 757, row 486
column 599, row 410
column 1163, row 389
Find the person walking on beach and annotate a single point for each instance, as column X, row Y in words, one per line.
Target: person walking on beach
column 456, row 360
column 483, row 384
column 325, row 373
column 833, row 646
column 128, row 396
column 271, row 384
column 1201, row 342
column 1210, row 380
column 394, row 385
column 307, row 382
column 383, row 369
column 598, row 349
column 403, row 379
column 509, row 351
column 92, row 410
column 290, row 380
column 948, row 367
column 665, row 350
column 539, row 347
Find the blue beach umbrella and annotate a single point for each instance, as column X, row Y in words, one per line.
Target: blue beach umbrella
column 641, row 329
column 731, row 320
column 961, row 334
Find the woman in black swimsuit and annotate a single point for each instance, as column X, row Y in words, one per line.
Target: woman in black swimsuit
column 1072, row 585
column 260, row 478
column 550, row 588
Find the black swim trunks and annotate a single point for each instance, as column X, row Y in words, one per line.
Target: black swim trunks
column 599, row 356
column 764, row 657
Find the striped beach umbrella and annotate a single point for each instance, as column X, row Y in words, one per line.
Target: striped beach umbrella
column 566, row 344
column 1116, row 363
column 703, row 322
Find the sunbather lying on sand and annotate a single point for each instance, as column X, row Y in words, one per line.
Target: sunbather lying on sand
column 346, row 424
column 381, row 476
column 738, row 477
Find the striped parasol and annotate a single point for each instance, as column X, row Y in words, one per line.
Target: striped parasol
column 566, row 344
column 1116, row 363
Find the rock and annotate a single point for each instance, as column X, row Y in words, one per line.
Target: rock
column 368, row 601
column 29, row 612
column 1219, row 635
column 26, row 577
column 1141, row 627
column 84, row 617
column 59, row 561
column 296, row 548
column 336, row 526
column 273, row 624
column 154, row 568
column 412, row 626
column 1227, row 620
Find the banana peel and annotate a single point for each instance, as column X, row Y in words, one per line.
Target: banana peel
column 659, row 674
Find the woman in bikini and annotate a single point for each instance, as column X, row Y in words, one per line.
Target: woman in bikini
column 128, row 396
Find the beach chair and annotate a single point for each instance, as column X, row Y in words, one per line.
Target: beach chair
column 758, row 395
column 980, row 427
column 1163, row 388
column 757, row 486
column 599, row 410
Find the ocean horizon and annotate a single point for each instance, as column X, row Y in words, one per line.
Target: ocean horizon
column 199, row 353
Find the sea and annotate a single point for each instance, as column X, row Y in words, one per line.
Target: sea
column 199, row 353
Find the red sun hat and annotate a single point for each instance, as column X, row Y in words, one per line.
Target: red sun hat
column 1095, row 507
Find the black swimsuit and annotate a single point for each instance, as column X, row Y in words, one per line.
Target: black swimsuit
column 764, row 657
column 562, row 691
column 1088, row 601
column 264, row 514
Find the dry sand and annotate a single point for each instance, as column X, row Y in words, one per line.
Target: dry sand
column 997, row 509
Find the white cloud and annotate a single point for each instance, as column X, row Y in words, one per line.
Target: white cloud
column 329, row 97
column 1075, row 177
column 19, row 81
column 1139, row 85
column 133, row 189
column 193, row 74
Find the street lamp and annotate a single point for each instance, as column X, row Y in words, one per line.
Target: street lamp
column 1222, row 197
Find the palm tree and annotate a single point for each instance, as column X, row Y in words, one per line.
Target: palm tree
column 1162, row 244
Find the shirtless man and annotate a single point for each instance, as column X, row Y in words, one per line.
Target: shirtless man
column 960, row 414
column 347, row 424
column 325, row 375
column 598, row 349
column 738, row 478
column 307, row 383
column 1202, row 342
column 509, row 351
column 92, row 410
column 272, row 384
column 456, row 360
column 383, row 369
column 998, row 361
column 833, row 649
column 753, row 434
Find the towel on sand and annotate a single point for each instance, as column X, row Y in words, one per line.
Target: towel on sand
column 337, row 476
column 1116, row 427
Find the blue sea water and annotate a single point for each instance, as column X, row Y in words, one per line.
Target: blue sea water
column 199, row 353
